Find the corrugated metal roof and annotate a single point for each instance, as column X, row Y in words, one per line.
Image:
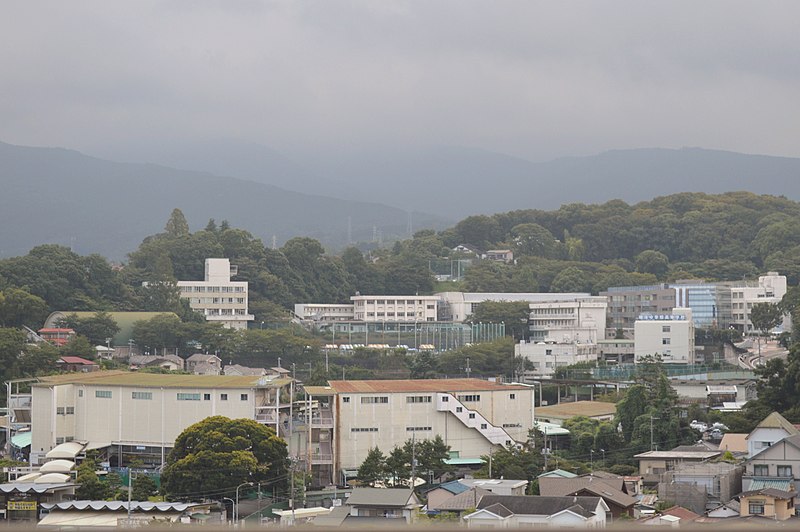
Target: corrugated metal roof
column 421, row 385
column 760, row 484
column 158, row 380
column 115, row 506
column 577, row 408
column 21, row 440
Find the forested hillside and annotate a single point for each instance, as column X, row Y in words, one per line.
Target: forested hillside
column 575, row 248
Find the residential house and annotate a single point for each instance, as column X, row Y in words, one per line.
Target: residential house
column 722, row 481
column 768, row 502
column 443, row 492
column 168, row 362
column 57, row 336
column 203, row 364
column 610, row 488
column 72, row 364
column 725, row 510
column 381, row 503
column 675, row 516
column 771, row 430
column 499, row 255
column 522, row 511
column 557, row 473
column 458, row 504
column 776, row 466
column 734, row 442
column 497, row 486
column 653, row 464
column 467, row 249
column 236, row 369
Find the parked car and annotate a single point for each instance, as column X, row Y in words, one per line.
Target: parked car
column 698, row 425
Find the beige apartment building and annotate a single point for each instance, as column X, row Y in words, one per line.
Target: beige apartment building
column 140, row 414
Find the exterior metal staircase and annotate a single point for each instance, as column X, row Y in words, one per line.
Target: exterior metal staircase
column 447, row 402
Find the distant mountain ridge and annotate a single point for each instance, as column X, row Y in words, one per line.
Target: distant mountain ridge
column 455, row 182
column 54, row 195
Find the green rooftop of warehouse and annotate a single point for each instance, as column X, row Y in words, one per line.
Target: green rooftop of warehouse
column 157, row 380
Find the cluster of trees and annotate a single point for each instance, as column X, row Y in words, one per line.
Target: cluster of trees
column 93, row 488
column 214, row 456
column 647, row 413
column 425, row 457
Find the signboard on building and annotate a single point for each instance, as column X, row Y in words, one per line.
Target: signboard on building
column 22, row 506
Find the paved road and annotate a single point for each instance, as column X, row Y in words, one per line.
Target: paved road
column 769, row 349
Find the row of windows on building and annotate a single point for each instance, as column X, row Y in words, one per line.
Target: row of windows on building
column 395, row 302
column 392, row 314
column 213, row 289
column 384, row 399
column 216, row 300
column 223, row 311
column 762, row 470
column 375, row 429
column 147, row 396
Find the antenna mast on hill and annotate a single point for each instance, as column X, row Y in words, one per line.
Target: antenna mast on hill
column 274, row 242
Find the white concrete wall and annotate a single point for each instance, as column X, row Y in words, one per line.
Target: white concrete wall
column 392, row 419
column 121, row 418
column 376, row 308
column 546, row 358
column 673, row 339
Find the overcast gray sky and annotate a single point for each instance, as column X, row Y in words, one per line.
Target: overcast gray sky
column 533, row 79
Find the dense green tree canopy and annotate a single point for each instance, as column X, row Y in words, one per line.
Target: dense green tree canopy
column 214, row 456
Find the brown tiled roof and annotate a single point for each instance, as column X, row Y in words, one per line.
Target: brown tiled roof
column 420, row 385
column 681, row 512
column 464, row 500
column 609, row 489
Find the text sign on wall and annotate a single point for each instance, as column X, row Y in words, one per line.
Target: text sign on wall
column 24, row 506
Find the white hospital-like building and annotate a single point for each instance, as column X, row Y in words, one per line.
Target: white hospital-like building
column 217, row 297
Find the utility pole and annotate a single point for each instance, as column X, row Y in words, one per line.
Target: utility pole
column 591, row 460
column 291, row 500
column 468, row 369
column 413, row 459
column 651, row 432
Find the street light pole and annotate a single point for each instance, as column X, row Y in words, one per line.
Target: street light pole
column 236, row 508
column 233, row 506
